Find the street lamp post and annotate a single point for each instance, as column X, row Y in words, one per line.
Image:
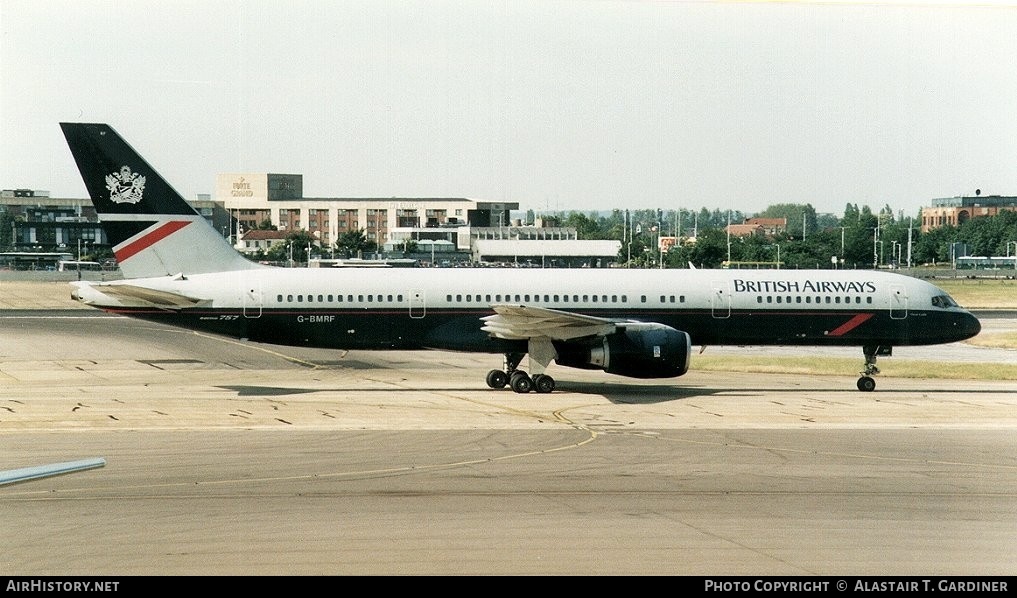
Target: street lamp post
column 875, row 253
column 909, row 241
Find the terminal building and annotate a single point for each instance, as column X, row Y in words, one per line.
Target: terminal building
column 254, row 199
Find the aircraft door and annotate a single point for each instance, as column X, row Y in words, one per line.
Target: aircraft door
column 898, row 302
column 418, row 304
column 720, row 299
column 252, row 297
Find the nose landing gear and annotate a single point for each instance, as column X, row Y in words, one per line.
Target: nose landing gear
column 866, row 383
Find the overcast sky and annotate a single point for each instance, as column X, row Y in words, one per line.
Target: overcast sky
column 557, row 105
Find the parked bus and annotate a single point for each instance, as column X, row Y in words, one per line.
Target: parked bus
column 76, row 266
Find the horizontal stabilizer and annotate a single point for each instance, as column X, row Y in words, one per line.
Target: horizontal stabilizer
column 128, row 295
column 13, row 476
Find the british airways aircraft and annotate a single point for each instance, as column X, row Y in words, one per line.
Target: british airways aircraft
column 637, row 323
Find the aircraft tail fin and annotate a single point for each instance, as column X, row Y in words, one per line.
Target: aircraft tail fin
column 152, row 230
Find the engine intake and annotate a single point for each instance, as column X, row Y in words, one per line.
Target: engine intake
column 640, row 350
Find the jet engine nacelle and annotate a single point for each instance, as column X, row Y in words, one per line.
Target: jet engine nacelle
column 641, row 350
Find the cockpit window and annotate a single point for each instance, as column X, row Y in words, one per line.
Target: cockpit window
column 943, row 301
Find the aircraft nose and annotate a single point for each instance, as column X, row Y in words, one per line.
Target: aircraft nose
column 968, row 326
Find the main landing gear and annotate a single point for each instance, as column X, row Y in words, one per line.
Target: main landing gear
column 866, row 383
column 517, row 379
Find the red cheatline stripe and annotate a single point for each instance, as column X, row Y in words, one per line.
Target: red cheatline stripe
column 150, row 239
column 850, row 325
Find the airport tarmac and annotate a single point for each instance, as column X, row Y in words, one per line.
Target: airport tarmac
column 235, row 458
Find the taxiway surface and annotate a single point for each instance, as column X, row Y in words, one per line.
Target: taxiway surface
column 234, row 458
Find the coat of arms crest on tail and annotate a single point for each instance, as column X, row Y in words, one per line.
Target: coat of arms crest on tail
column 125, row 186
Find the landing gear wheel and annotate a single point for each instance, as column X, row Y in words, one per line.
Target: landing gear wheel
column 497, row 379
column 521, row 383
column 543, row 383
column 866, row 384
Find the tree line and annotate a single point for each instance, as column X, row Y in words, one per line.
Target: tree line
column 860, row 238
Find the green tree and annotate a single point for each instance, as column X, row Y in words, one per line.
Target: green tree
column 586, row 226
column 409, row 246
column 352, row 243
column 295, row 247
column 800, row 218
column 6, row 230
column 710, row 248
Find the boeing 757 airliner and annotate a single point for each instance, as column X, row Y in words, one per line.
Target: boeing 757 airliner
column 636, row 323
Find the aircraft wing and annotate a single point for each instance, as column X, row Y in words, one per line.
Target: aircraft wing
column 521, row 322
column 13, row 476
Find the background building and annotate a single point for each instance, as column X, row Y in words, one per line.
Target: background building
column 44, row 223
column 547, row 253
column 954, row 211
column 256, row 198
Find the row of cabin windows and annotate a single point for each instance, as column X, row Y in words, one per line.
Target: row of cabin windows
column 808, row 299
column 310, row 298
column 558, row 298
column 339, row 298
